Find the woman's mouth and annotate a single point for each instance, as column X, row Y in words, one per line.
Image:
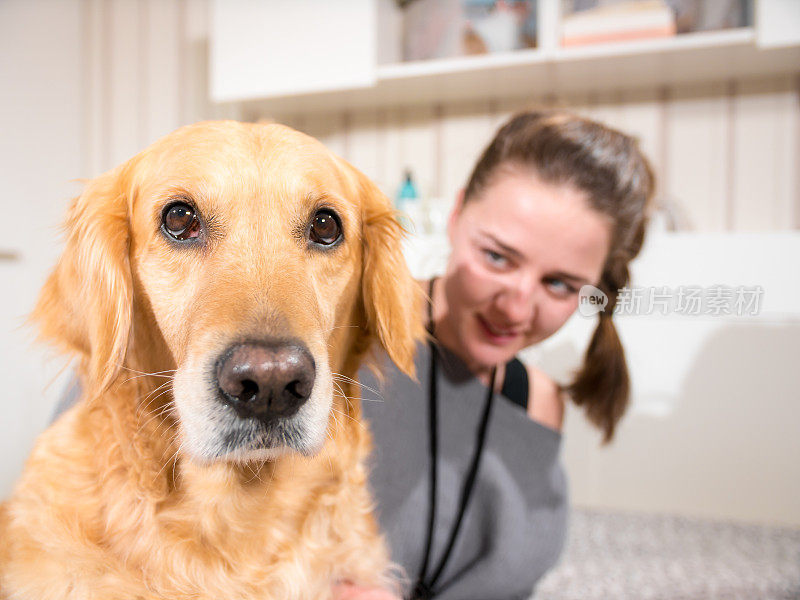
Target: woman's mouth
column 496, row 335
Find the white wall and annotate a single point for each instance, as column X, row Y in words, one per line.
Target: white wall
column 42, row 150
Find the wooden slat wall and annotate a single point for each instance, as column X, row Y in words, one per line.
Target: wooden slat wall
column 163, row 65
column 696, row 171
column 725, row 153
column 145, row 74
column 764, row 155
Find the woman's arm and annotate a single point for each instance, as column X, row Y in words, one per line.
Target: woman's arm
column 545, row 399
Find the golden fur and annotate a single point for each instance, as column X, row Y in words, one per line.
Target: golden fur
column 121, row 498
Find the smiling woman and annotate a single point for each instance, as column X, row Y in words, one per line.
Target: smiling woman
column 555, row 202
column 470, row 490
column 519, row 257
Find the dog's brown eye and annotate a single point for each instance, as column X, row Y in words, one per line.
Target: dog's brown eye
column 325, row 228
column 180, row 221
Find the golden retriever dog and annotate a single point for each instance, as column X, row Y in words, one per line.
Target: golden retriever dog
column 219, row 291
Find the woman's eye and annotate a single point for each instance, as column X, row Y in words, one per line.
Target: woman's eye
column 561, row 287
column 497, row 260
column 180, row 221
column 325, row 228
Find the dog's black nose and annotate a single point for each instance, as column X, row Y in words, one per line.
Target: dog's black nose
column 266, row 380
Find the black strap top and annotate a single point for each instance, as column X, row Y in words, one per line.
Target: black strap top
column 515, row 383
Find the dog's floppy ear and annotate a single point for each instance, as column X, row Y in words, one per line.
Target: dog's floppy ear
column 392, row 299
column 85, row 306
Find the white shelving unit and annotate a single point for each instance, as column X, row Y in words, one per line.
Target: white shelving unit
column 549, row 69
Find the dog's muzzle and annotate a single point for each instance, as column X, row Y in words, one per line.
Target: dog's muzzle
column 265, row 380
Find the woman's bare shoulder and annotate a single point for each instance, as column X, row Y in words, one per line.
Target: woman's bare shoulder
column 545, row 399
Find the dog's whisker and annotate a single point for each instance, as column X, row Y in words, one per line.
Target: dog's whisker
column 329, row 435
column 158, row 375
column 58, row 374
column 363, row 398
column 164, row 414
column 149, row 415
column 345, row 414
column 157, row 414
column 346, row 379
column 335, row 420
column 163, row 385
column 342, row 327
column 153, row 415
column 132, row 370
column 145, row 408
column 148, row 375
column 351, row 381
column 253, row 478
column 173, row 459
column 254, row 473
column 339, row 388
column 343, row 377
column 143, row 399
column 347, row 399
column 161, row 421
column 147, row 401
column 171, row 442
column 159, row 391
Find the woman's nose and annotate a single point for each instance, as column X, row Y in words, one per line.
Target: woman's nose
column 519, row 300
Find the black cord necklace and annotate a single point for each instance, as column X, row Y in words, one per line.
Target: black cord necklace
column 425, row 587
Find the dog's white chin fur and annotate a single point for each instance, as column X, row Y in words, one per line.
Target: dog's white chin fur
column 211, row 431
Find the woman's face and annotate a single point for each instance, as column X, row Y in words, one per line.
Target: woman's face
column 521, row 251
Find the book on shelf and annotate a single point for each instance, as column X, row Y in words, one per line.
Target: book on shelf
column 631, row 20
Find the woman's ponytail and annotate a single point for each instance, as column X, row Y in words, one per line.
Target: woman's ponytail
column 602, row 385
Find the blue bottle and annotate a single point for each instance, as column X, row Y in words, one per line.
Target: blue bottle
column 407, row 203
column 408, row 192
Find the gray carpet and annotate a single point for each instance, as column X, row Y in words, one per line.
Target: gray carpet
column 632, row 556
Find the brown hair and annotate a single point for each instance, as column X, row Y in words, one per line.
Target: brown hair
column 608, row 166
